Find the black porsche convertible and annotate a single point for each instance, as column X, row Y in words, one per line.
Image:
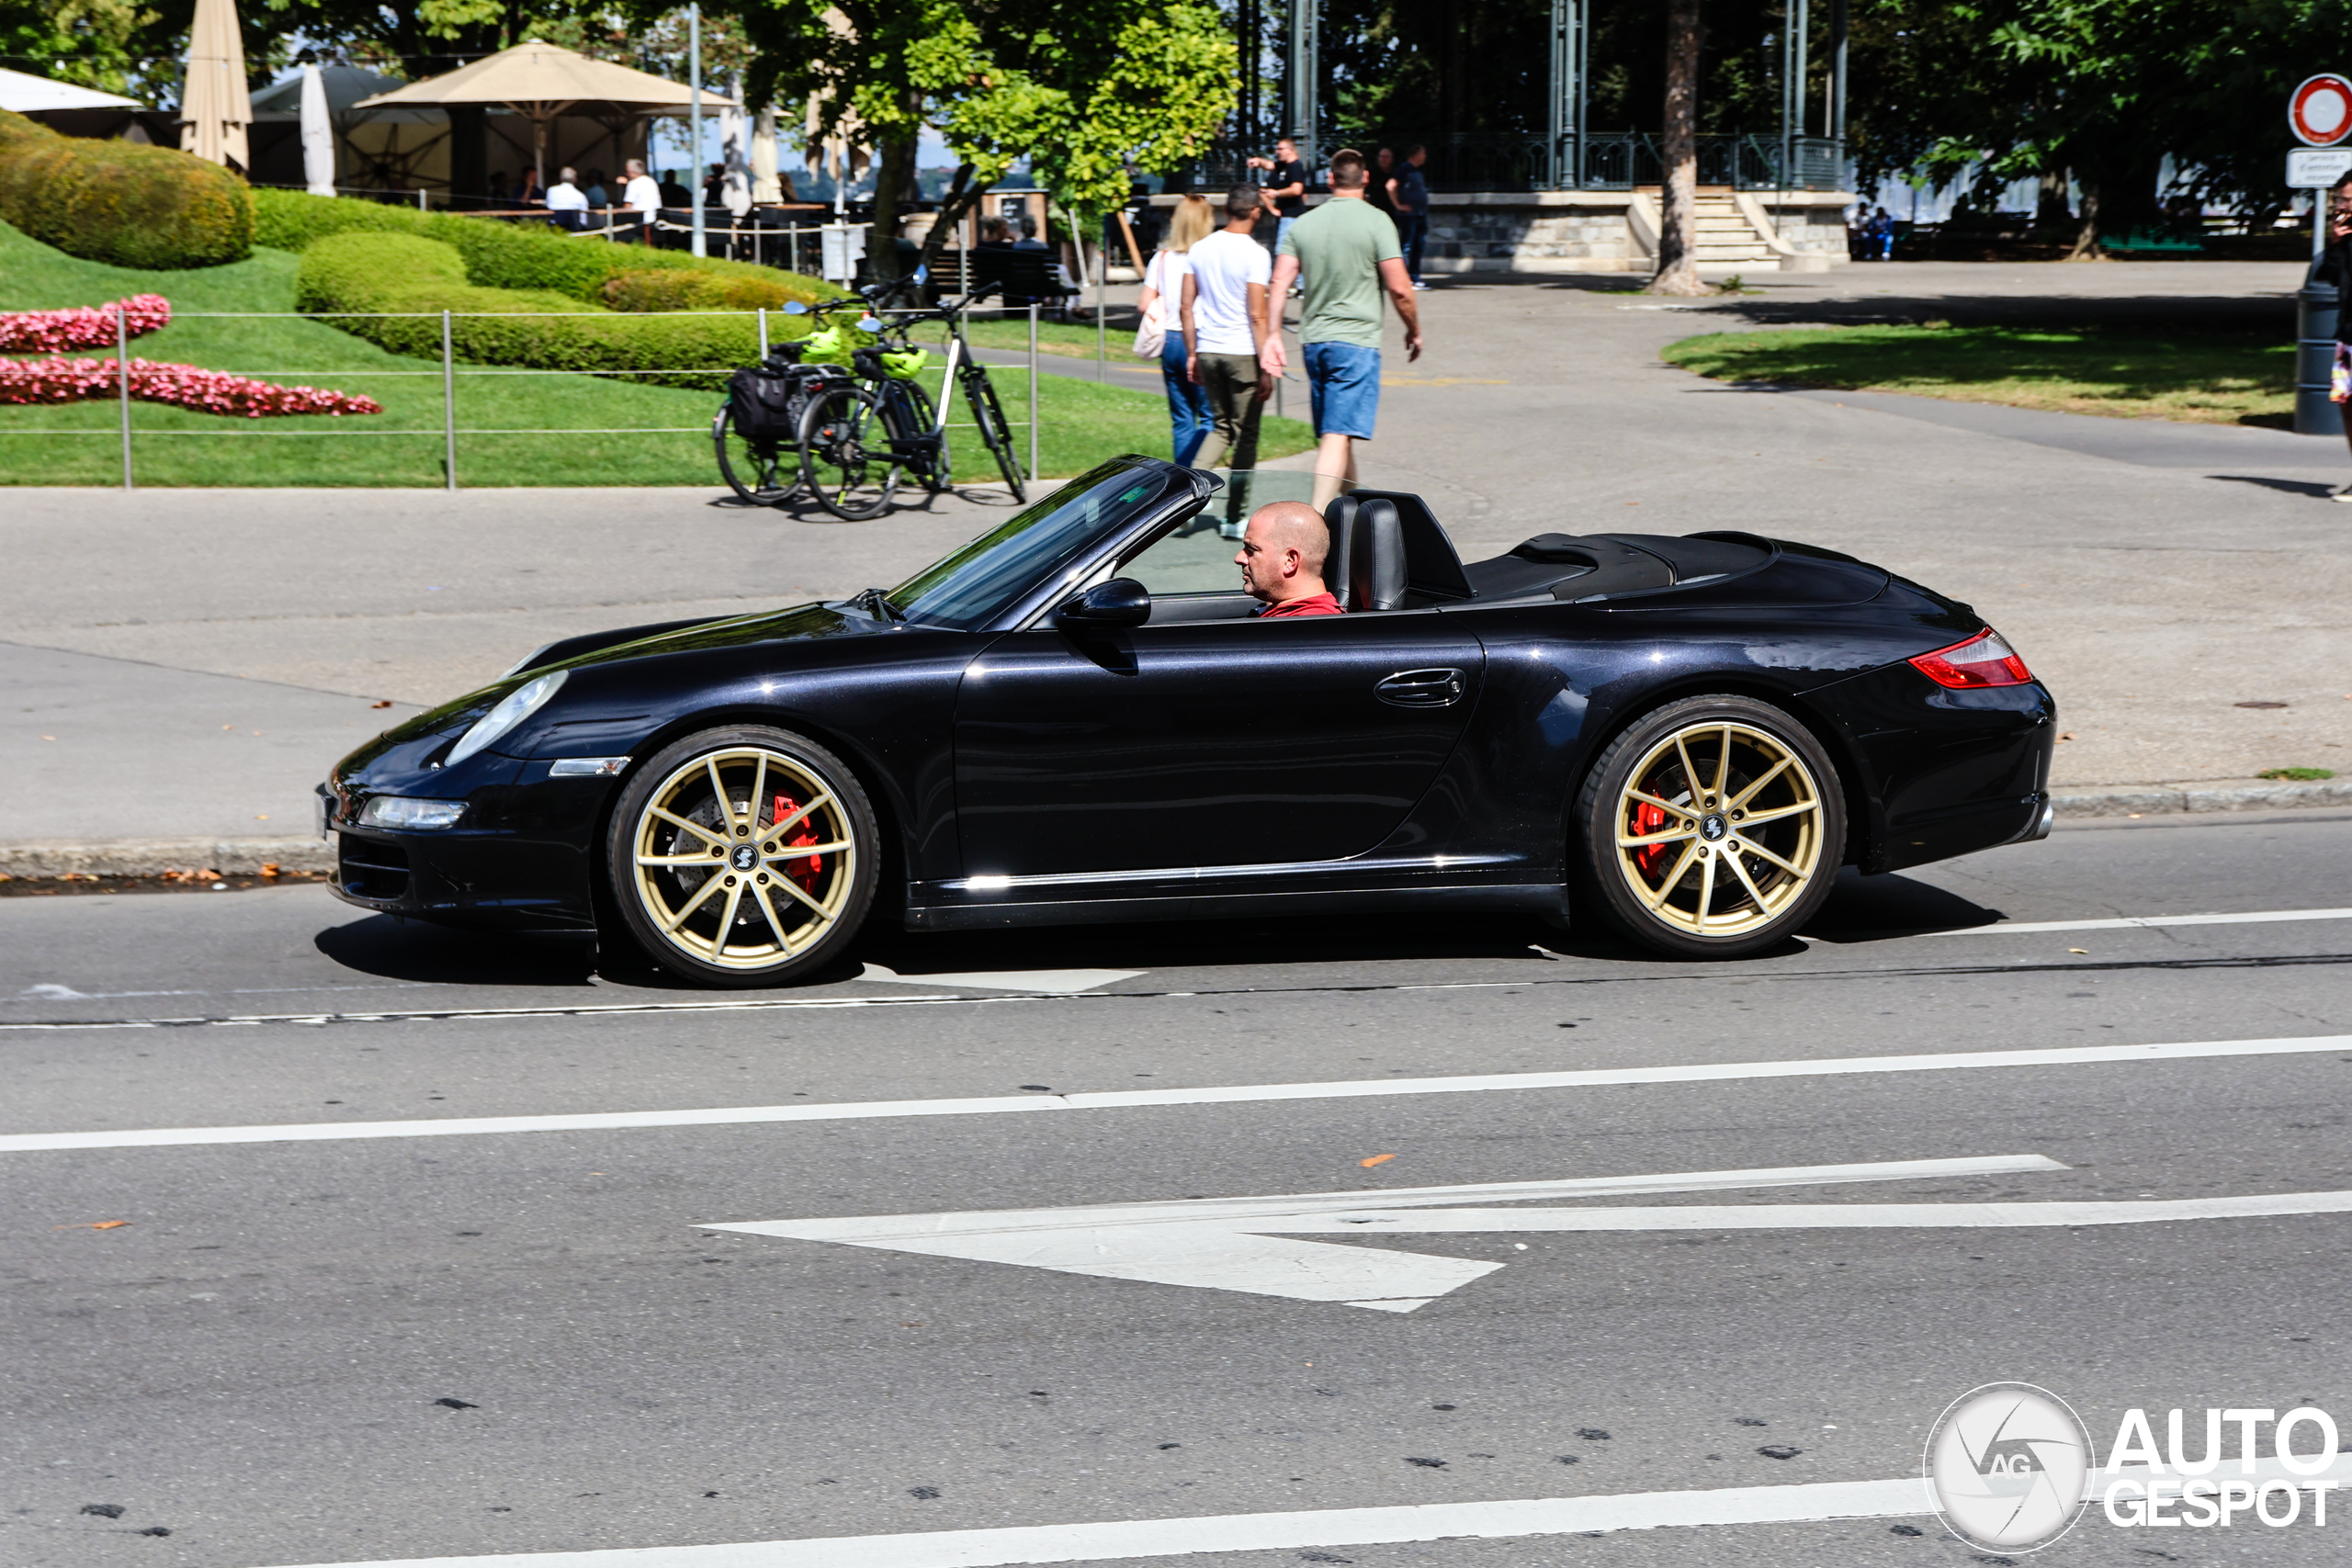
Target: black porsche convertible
column 1077, row 716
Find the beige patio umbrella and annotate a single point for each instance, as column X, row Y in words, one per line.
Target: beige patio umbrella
column 540, row 81
column 215, row 108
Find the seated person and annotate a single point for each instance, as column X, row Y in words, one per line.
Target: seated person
column 996, row 235
column 567, row 202
column 598, row 198
column 1282, row 560
column 673, row 193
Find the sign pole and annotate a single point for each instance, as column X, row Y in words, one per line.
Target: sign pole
column 2320, row 114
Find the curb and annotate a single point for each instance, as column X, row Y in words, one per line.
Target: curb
column 153, row 857
column 2140, row 800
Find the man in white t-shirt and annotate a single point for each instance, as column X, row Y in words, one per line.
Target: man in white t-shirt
column 642, row 197
column 567, row 202
column 1225, row 328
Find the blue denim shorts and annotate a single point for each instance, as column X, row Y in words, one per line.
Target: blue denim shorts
column 1343, row 381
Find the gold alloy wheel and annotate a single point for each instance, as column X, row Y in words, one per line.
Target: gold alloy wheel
column 1719, row 830
column 744, row 858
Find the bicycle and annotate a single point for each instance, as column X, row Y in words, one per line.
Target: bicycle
column 859, row 438
column 757, row 431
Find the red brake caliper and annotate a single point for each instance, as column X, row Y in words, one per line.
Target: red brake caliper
column 1649, row 819
column 803, row 871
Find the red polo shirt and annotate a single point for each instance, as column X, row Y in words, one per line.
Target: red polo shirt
column 1313, row 604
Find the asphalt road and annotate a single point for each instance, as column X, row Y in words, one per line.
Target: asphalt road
column 365, row 1339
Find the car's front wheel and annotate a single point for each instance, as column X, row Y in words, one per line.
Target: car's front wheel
column 1713, row 827
column 742, row 856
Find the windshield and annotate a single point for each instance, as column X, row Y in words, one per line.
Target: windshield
column 980, row 580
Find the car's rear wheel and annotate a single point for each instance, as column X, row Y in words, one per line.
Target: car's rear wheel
column 742, row 856
column 1713, row 827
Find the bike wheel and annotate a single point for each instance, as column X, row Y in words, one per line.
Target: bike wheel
column 934, row 467
column 996, row 431
column 846, row 456
column 765, row 473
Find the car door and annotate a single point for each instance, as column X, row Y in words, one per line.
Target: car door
column 1205, row 742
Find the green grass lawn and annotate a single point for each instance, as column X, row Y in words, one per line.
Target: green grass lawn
column 550, row 429
column 2207, row 377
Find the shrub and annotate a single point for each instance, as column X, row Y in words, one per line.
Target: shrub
column 539, row 327
column 683, row 288
column 519, row 255
column 120, row 203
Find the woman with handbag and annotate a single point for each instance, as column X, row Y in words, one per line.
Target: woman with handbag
column 1157, row 336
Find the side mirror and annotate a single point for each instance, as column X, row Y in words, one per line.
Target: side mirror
column 1121, row 602
column 795, row 307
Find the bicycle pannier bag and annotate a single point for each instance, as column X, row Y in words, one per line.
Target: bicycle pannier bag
column 763, row 405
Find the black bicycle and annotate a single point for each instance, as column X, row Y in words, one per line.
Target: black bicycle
column 860, row 438
column 757, row 430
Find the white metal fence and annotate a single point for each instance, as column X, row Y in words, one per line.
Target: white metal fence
column 449, row 370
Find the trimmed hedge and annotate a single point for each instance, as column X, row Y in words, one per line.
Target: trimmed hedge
column 121, row 203
column 366, row 271
column 514, row 256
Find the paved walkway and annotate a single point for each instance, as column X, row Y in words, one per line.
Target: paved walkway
column 2156, row 575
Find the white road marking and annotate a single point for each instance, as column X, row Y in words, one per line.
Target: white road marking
column 1230, row 1244
column 1254, row 1532
column 1052, row 982
column 1143, row 1098
column 1903, row 1497
column 2138, row 922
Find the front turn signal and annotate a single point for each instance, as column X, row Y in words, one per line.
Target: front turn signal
column 1983, row 660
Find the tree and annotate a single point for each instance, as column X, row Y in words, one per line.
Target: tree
column 1678, row 231
column 1077, row 91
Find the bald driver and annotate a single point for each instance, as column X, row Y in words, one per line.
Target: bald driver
column 1282, row 559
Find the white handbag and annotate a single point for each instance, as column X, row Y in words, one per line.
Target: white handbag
column 1151, row 332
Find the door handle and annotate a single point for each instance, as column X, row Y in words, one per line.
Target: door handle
column 1420, row 688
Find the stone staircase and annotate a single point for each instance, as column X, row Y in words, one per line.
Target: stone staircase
column 1725, row 236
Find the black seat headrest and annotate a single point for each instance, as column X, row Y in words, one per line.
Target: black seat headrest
column 1340, row 517
column 1376, row 574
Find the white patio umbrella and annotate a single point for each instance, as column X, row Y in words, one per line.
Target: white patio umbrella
column 215, row 108
column 540, row 81
column 39, row 95
column 766, row 189
column 735, row 181
column 317, row 134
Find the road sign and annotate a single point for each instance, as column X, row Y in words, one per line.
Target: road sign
column 1243, row 1244
column 2321, row 111
column 2316, row 168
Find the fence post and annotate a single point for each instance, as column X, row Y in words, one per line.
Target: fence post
column 449, row 409
column 123, row 373
column 1033, row 389
column 763, row 334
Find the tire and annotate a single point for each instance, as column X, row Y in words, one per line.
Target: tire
column 847, row 460
column 1696, row 859
column 996, row 432
column 702, row 880
column 762, row 473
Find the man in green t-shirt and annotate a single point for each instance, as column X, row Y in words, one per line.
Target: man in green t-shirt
column 1348, row 252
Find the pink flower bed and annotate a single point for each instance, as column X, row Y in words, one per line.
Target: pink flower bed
column 54, row 332
column 181, row 386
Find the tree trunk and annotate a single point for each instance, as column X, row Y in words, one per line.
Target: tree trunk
column 1677, row 237
column 2051, row 210
column 2086, row 245
column 893, row 171
column 963, row 195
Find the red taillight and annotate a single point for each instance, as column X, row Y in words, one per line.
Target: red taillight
column 1983, row 660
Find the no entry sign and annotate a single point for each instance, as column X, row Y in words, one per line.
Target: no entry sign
column 2320, row 111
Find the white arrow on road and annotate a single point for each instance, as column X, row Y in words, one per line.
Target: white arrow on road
column 1241, row 1244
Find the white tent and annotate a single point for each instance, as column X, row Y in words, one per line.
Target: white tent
column 39, row 95
column 766, row 188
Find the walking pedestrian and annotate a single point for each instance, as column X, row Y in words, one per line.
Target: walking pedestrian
column 1226, row 334
column 1285, row 193
column 2334, row 267
column 1160, row 304
column 1384, row 175
column 1348, row 252
column 1408, row 198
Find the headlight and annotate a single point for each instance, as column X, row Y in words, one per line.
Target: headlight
column 399, row 811
column 513, row 709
